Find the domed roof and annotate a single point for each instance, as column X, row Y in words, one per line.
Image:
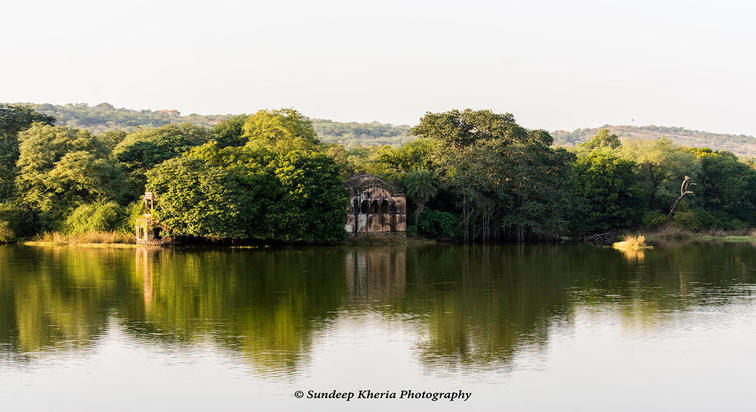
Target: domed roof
column 363, row 181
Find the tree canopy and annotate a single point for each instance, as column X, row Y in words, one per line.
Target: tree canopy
column 268, row 176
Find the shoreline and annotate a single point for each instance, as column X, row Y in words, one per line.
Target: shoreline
column 121, row 245
column 650, row 236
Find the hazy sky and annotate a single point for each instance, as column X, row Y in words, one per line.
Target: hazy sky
column 553, row 64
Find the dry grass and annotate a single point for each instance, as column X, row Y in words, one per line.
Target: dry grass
column 86, row 238
column 671, row 233
column 632, row 243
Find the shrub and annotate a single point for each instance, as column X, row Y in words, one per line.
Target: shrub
column 94, row 217
column 134, row 210
column 653, row 218
column 632, row 243
column 21, row 220
column 6, row 233
column 695, row 220
column 435, row 224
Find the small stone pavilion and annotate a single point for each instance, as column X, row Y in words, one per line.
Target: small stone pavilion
column 148, row 230
column 376, row 207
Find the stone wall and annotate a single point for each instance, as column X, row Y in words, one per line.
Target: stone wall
column 373, row 208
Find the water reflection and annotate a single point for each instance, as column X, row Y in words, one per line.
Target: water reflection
column 470, row 305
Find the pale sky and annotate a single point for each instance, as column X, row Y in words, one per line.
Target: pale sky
column 553, row 64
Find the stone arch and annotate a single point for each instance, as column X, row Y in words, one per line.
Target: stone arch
column 384, row 206
column 375, row 206
column 365, row 206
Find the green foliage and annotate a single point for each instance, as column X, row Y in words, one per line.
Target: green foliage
column 230, row 131
column 653, row 219
column 95, row 217
column 505, row 180
column 112, row 138
column 462, row 129
column 695, row 220
column 6, row 233
column 279, row 130
column 60, row 168
column 310, row 203
column 436, row 224
column 740, row 144
column 17, row 118
column 132, row 211
column 199, row 199
column 661, row 167
column 728, row 188
column 420, row 185
column 605, row 191
column 104, row 117
column 145, row 148
column 391, row 163
column 268, row 176
column 22, row 220
column 241, row 192
column 14, row 119
column 362, row 134
column 604, row 138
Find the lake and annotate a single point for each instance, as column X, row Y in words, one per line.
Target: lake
column 518, row 327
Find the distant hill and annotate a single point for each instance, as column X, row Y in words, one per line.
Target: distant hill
column 104, row 117
column 741, row 145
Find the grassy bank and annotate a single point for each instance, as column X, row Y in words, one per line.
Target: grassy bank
column 101, row 239
column 670, row 233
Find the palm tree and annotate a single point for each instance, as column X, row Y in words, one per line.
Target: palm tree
column 421, row 187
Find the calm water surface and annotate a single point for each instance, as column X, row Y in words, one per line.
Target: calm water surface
column 535, row 327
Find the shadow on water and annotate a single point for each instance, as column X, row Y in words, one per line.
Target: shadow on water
column 471, row 305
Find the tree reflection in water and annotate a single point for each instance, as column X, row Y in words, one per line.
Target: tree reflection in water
column 470, row 305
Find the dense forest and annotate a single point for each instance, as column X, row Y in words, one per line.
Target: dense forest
column 471, row 175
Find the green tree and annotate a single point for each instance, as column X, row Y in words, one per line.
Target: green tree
column 507, row 180
column 112, row 138
column 279, row 130
column 606, row 195
column 145, row 148
column 246, row 193
column 101, row 216
column 421, row 188
column 727, row 189
column 199, row 199
column 230, row 132
column 310, row 203
column 60, row 168
column 14, row 119
column 604, row 138
column 661, row 166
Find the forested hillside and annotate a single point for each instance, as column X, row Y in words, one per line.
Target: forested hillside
column 104, row 117
column 741, row 145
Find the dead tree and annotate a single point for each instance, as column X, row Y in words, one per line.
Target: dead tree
column 683, row 191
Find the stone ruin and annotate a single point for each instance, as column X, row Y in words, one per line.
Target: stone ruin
column 148, row 230
column 375, row 207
